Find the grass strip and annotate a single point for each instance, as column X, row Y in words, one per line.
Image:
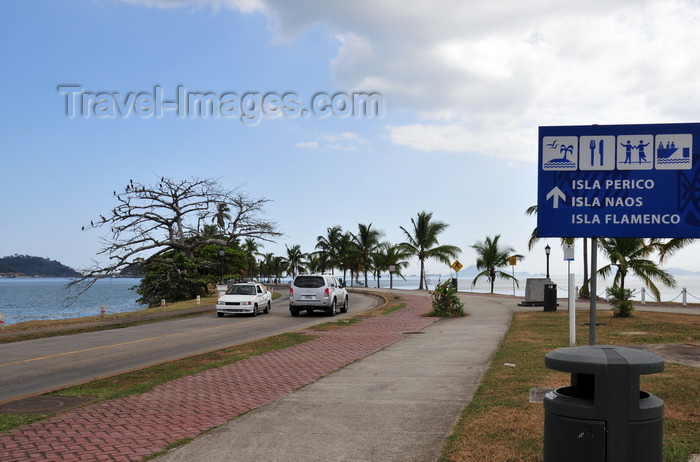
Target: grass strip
column 500, row 424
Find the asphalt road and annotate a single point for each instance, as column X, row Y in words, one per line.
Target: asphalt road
column 33, row 367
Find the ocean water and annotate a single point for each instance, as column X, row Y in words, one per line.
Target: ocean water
column 27, row 299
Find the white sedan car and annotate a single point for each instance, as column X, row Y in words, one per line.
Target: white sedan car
column 244, row 298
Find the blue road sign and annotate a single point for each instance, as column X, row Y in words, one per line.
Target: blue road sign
column 619, row 181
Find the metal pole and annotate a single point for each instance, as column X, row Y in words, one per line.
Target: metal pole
column 594, row 288
column 572, row 308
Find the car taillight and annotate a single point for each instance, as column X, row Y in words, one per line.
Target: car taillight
column 326, row 293
column 291, row 292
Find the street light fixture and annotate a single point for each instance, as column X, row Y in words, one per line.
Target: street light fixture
column 547, row 250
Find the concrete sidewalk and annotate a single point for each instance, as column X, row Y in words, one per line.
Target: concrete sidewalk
column 397, row 404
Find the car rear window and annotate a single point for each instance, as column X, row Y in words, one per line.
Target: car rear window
column 310, row 282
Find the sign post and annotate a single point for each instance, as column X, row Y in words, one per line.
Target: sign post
column 569, row 251
column 513, row 261
column 603, row 181
column 456, row 266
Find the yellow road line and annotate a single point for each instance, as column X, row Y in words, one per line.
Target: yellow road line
column 114, row 345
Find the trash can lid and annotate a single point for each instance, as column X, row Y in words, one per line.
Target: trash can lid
column 592, row 359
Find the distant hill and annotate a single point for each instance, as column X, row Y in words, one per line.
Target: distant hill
column 472, row 271
column 25, row 265
column 682, row 272
column 132, row 271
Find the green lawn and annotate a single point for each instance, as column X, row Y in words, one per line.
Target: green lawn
column 500, row 424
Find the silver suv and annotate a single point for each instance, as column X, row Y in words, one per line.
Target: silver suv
column 317, row 292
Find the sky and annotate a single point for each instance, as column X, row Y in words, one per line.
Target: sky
column 462, row 88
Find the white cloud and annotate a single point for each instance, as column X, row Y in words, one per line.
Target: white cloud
column 307, row 144
column 244, row 6
column 477, row 75
column 345, row 141
column 340, row 147
column 472, row 70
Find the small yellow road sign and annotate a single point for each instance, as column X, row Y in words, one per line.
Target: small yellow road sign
column 456, row 265
column 513, row 261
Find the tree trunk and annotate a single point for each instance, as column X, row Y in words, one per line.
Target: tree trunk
column 585, row 292
column 422, row 274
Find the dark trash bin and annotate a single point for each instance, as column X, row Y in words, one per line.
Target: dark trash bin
column 603, row 415
column 454, row 283
column 550, row 297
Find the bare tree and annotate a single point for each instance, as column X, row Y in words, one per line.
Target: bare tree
column 151, row 219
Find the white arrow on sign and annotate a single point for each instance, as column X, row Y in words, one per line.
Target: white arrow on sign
column 557, row 194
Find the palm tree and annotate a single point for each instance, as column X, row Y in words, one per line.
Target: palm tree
column 265, row 266
column 532, row 210
column 295, row 260
column 365, row 242
column 387, row 256
column 251, row 249
column 330, row 245
column 630, row 255
column 490, row 258
column 222, row 215
column 210, row 231
column 317, row 262
column 346, row 254
column 668, row 248
column 422, row 242
column 277, row 266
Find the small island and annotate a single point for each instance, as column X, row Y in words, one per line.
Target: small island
column 29, row 266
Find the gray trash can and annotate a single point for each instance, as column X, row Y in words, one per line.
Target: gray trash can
column 550, row 297
column 603, row 416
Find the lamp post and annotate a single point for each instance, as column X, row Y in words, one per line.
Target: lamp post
column 547, row 249
column 221, row 254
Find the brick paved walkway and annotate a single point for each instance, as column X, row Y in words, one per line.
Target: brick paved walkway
column 131, row 428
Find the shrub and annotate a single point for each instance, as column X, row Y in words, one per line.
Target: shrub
column 620, row 300
column 446, row 303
